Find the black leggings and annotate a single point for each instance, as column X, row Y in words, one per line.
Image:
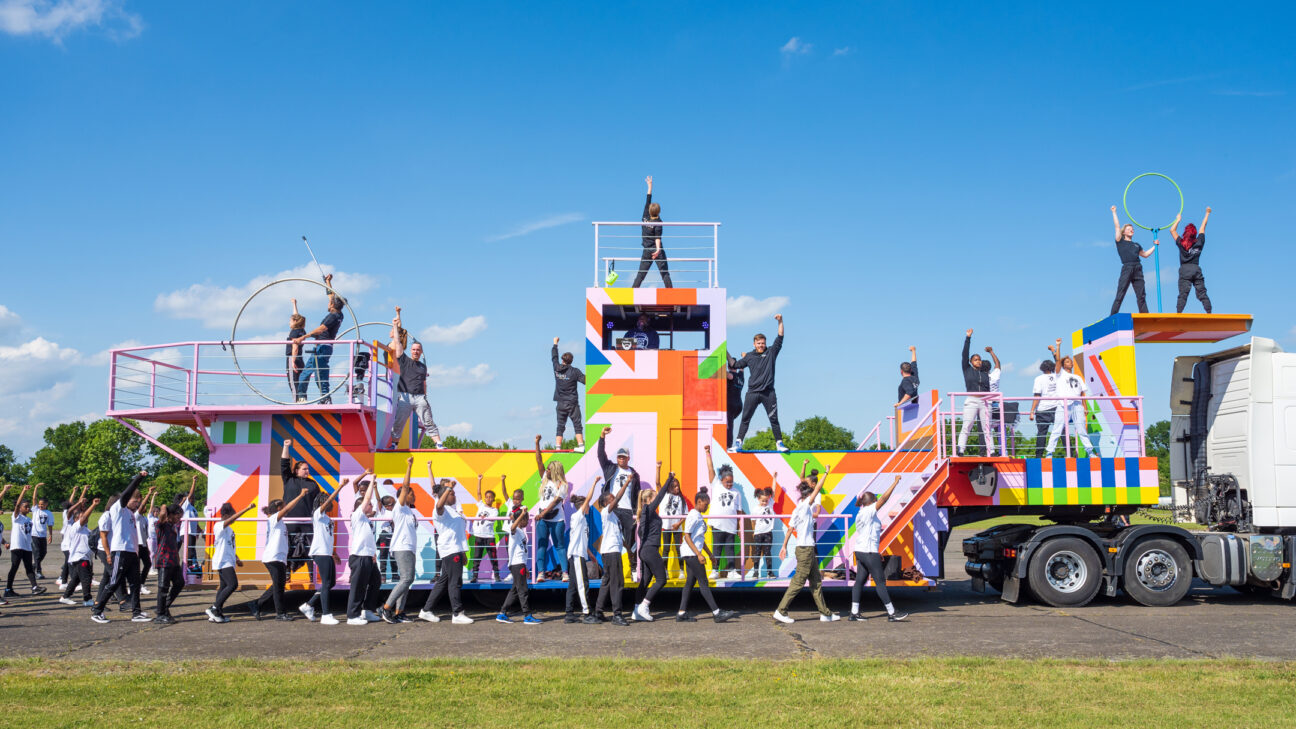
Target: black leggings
column 695, row 574
column 761, row 550
column 726, row 551
column 1043, row 423
column 228, row 584
column 79, row 574
column 869, row 564
column 23, row 557
column 653, row 570
column 170, row 583
column 645, row 264
column 63, row 576
column 327, row 579
column 40, row 545
column 764, row 397
column 612, row 584
column 275, row 592
column 520, row 592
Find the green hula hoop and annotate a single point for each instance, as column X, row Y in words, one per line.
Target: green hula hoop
column 1125, row 199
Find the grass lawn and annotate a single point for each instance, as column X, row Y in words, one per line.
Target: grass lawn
column 652, row 693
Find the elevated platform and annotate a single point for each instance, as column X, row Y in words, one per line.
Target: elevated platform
column 1178, row 328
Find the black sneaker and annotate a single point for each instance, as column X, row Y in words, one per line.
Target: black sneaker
column 254, row 610
column 618, row 620
column 38, row 589
column 725, row 616
column 386, row 616
column 897, row 617
column 402, row 618
column 284, row 618
column 685, row 619
column 164, row 620
column 571, row 618
column 10, row 593
column 592, row 619
column 98, row 618
column 856, row 618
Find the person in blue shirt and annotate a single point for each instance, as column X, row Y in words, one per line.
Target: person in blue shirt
column 318, row 363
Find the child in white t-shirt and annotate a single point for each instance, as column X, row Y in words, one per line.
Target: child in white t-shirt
column 610, row 548
column 520, row 592
column 763, row 536
column 482, row 544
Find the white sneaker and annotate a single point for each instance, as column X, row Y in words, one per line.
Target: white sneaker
column 357, row 621
column 141, row 618
column 371, row 616
column 428, row 616
column 59, row 584
column 212, row 617
column 94, row 583
column 145, row 591
column 713, row 574
column 67, row 601
column 461, row 619
column 566, row 577
column 778, row 446
column 737, row 446
column 751, row 575
column 734, row 575
column 782, row 618
column 328, row 619
column 834, row 617
column 308, row 611
column 641, row 614
column 579, row 449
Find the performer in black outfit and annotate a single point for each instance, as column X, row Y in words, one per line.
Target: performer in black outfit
column 908, row 390
column 1131, row 267
column 734, row 399
column 760, row 387
column 296, row 479
column 1190, row 246
column 652, row 244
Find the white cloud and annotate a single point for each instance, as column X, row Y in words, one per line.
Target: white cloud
column 442, row 376
column 552, row 221
column 749, row 309
column 216, row 306
column 795, row 47
column 847, row 50
column 35, row 366
column 460, row 430
column 461, row 332
column 56, row 18
column 10, row 323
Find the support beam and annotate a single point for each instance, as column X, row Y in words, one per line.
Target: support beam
column 159, row 444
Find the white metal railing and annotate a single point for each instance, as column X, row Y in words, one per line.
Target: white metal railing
column 694, row 245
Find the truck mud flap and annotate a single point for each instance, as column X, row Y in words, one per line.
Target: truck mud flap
column 1011, row 589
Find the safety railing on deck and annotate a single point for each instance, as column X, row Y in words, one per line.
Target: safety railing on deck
column 1102, row 426
column 690, row 252
column 191, row 375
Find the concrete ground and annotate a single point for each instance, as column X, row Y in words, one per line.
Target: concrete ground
column 952, row 621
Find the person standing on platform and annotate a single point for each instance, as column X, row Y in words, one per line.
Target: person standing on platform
column 733, row 398
column 318, row 364
column 976, row 379
column 760, row 386
column 1131, row 266
column 296, row 479
column 567, row 381
column 616, row 475
column 1190, row 246
column 908, row 390
column 652, row 242
column 412, row 389
column 295, row 365
column 727, row 501
column 1043, row 407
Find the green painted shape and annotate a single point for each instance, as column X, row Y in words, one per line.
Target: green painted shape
column 254, row 431
column 593, row 374
column 593, row 403
column 794, row 462
column 229, row 433
column 1086, row 496
column 1034, row 497
column 714, row 363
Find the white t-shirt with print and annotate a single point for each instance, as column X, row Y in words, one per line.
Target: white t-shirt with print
column 726, row 502
column 276, row 543
column 671, row 510
column 22, row 534
column 803, row 524
column 483, row 527
column 868, row 529
column 1069, row 384
column 612, row 539
column 362, row 535
column 550, row 491
column 124, row 538
column 450, row 531
column 517, row 546
column 578, row 536
column 766, row 525
column 622, row 475
column 404, row 528
column 1046, row 387
column 78, row 541
column 695, row 527
column 321, row 534
column 42, row 522
column 224, row 556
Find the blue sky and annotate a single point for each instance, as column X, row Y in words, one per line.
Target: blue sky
column 895, row 172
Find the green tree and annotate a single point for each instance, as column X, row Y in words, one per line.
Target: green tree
column 176, row 483
column 819, row 434
column 11, row 469
column 185, row 442
column 108, row 456
column 762, row 441
column 1156, row 443
column 57, row 463
column 454, row 441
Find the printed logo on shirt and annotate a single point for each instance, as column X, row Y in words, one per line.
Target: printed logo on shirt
column 726, row 499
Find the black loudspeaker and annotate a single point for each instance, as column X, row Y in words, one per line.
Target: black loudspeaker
column 984, row 478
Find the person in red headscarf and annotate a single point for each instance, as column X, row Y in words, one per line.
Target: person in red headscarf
column 1190, row 246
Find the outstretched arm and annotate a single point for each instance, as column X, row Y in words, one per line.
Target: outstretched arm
column 193, row 484
column 132, row 487
column 237, row 516
column 397, row 348
column 85, row 515
column 887, row 494
column 540, row 460
column 1116, row 223
column 993, row 356
column 589, row 495
column 604, row 463
column 289, row 506
column 779, row 319
column 1174, row 227
column 1206, row 218
column 967, row 351
column 913, row 353
column 710, row 466
column 19, row 500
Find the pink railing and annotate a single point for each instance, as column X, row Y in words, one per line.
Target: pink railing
column 1112, row 425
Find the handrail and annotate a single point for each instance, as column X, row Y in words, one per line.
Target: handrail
column 875, row 431
column 1063, row 404
column 900, row 447
column 713, row 268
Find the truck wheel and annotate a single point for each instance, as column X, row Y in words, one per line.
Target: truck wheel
column 1065, row 572
column 1157, row 572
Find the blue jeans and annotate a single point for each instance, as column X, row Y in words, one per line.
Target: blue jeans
column 551, row 545
column 318, row 365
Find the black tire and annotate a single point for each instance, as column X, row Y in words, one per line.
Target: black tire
column 1065, row 572
column 1158, row 572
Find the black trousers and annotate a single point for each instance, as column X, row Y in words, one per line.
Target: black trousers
column 20, row 557
column 761, row 543
column 479, row 549
column 326, row 570
column 228, row 584
column 1043, row 423
column 1190, row 276
column 577, row 586
column 625, row 518
column 79, row 574
column 726, row 551
column 869, row 564
column 449, row 580
column 613, row 583
column 770, row 401
column 300, row 537
column 1131, row 273
column 275, row 592
column 366, row 583
column 124, row 573
column 695, row 575
column 170, row 583
column 734, row 403
column 40, row 546
column 146, row 562
column 653, row 577
column 63, row 575
column 646, row 262
column 520, row 592
column 569, row 411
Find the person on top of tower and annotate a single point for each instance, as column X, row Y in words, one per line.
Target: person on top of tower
column 1190, row 248
column 760, row 386
column 412, row 387
column 567, row 381
column 976, row 379
column 1131, row 267
column 318, row 364
column 652, row 242
column 908, row 390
